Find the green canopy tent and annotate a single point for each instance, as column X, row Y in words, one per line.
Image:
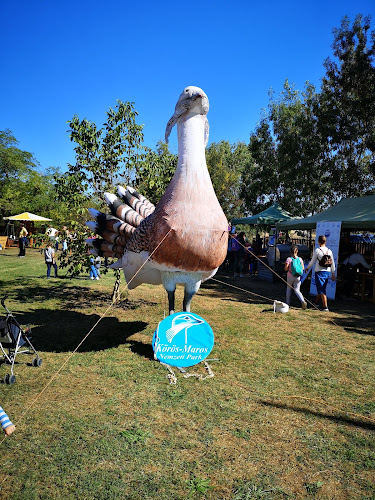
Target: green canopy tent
column 356, row 214
column 268, row 217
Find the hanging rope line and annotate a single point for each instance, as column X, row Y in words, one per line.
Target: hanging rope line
column 264, row 264
column 84, row 338
column 276, row 274
column 242, row 289
column 172, row 375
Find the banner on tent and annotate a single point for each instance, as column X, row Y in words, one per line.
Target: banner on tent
column 331, row 230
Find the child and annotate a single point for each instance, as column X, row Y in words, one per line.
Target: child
column 93, row 270
column 98, row 262
column 49, row 257
column 6, row 424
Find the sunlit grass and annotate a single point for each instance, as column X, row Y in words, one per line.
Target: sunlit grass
column 111, row 426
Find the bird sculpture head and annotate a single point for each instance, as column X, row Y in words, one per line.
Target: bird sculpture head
column 192, row 100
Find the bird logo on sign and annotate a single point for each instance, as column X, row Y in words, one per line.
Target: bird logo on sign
column 179, row 323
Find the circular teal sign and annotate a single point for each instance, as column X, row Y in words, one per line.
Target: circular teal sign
column 183, row 339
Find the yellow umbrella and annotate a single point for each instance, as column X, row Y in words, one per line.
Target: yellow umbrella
column 26, row 216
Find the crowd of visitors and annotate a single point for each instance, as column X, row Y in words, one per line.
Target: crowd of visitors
column 243, row 260
column 58, row 240
column 242, row 255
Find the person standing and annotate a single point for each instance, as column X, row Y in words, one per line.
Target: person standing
column 348, row 270
column 57, row 240
column 324, row 265
column 257, row 252
column 93, row 270
column 239, row 252
column 51, row 232
column 49, row 257
column 294, row 265
column 98, row 263
column 65, row 237
column 230, row 251
column 22, row 240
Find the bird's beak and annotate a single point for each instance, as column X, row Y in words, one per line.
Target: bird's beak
column 196, row 96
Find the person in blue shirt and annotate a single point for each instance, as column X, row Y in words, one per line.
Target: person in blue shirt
column 6, row 424
column 93, row 270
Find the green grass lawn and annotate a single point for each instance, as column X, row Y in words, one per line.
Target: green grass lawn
column 284, row 416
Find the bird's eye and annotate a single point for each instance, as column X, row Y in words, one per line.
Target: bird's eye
column 186, row 90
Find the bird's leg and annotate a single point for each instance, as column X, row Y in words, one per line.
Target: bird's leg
column 169, row 283
column 171, row 301
column 187, row 301
column 190, row 290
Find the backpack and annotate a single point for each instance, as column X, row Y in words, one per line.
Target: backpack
column 326, row 260
column 296, row 267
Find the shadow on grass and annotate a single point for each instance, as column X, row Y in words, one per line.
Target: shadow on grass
column 355, row 317
column 63, row 330
column 346, row 418
column 142, row 349
column 228, row 290
column 71, row 296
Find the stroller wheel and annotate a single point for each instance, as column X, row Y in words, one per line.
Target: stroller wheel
column 9, row 379
column 37, row 362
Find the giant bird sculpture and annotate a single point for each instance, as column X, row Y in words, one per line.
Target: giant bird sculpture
column 183, row 239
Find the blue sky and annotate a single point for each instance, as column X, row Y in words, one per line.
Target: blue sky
column 61, row 58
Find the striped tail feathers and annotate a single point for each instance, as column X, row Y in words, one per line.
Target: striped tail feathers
column 105, row 248
column 123, row 211
column 115, row 238
column 105, row 222
column 136, row 201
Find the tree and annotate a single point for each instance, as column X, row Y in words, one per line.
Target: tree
column 226, row 163
column 313, row 148
column 15, row 168
column 290, row 155
column 304, row 165
column 347, row 106
column 155, row 171
column 260, row 178
column 104, row 157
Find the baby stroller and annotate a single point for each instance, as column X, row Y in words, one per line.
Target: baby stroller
column 12, row 338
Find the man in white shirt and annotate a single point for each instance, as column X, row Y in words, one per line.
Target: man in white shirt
column 322, row 271
column 349, row 269
column 356, row 259
column 51, row 231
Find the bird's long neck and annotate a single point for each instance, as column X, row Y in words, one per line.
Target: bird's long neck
column 191, row 150
column 190, row 193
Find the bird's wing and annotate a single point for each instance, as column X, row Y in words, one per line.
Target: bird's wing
column 127, row 212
